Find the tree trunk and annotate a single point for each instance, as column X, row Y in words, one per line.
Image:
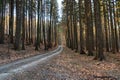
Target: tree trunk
column 11, row 20
column 82, row 48
column 18, row 25
column 2, row 24
column 99, row 32
column 105, row 26
column 44, row 21
column 112, row 28
column 38, row 28
column 116, row 28
column 89, row 37
column 23, row 24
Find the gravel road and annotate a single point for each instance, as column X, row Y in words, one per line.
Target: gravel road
column 11, row 70
column 66, row 66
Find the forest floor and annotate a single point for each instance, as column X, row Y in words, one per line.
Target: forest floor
column 9, row 54
column 72, row 66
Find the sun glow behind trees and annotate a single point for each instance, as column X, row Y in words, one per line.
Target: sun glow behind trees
column 60, row 8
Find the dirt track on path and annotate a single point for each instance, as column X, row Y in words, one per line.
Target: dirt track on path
column 70, row 66
column 8, row 70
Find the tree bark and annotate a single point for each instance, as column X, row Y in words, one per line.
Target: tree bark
column 99, row 33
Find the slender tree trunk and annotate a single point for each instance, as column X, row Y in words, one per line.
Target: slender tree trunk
column 50, row 27
column 44, row 21
column 89, row 37
column 112, row 29
column 109, row 27
column 71, row 26
column 75, row 27
column 23, row 25
column 106, row 27
column 99, row 33
column 26, row 31
column 38, row 28
column 11, row 20
column 31, row 22
column 82, row 48
column 18, row 25
column 68, row 28
column 55, row 34
column 2, row 22
column 116, row 31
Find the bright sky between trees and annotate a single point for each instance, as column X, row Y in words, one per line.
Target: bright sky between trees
column 60, row 7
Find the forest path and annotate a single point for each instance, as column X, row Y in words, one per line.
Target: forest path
column 9, row 69
column 68, row 66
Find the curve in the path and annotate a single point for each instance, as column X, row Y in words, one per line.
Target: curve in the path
column 20, row 65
